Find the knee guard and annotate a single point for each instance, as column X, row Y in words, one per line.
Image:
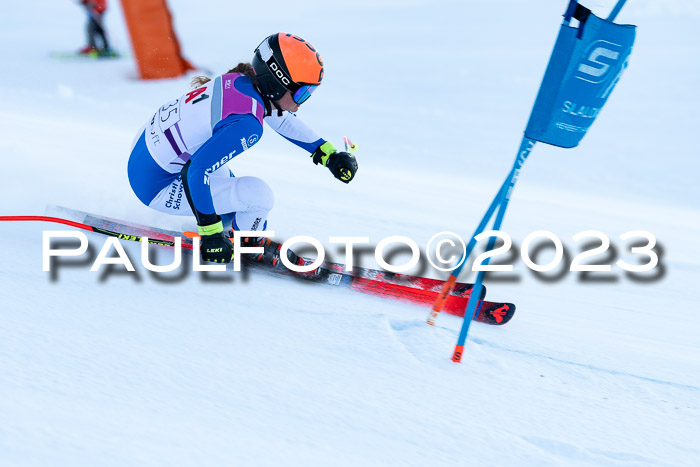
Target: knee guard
column 255, row 193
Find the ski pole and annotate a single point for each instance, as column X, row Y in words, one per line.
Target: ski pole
column 349, row 145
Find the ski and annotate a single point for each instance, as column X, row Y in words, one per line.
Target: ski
column 421, row 290
column 103, row 55
column 401, row 287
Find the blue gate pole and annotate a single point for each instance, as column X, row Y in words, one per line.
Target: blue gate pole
column 452, row 280
column 526, row 146
column 615, row 11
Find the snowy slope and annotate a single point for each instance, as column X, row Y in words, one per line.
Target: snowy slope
column 121, row 369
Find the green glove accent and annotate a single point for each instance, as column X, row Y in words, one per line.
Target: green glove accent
column 211, row 229
column 322, row 153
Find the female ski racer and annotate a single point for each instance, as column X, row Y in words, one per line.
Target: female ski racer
column 178, row 161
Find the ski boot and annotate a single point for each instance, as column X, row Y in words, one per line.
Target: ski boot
column 89, row 50
column 271, row 252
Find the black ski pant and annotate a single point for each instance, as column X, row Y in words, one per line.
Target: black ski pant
column 95, row 31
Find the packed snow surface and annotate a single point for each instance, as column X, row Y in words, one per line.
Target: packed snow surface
column 115, row 368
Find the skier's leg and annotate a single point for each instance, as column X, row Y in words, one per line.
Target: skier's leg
column 100, row 32
column 226, row 217
column 155, row 187
column 243, row 204
column 171, row 199
column 245, row 201
column 92, row 32
column 248, row 200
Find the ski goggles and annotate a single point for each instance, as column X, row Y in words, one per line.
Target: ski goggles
column 304, row 92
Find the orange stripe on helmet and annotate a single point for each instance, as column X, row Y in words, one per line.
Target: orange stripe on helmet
column 303, row 62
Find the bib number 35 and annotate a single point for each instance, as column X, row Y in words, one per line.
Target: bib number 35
column 169, row 115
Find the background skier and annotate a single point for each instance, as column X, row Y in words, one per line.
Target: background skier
column 95, row 28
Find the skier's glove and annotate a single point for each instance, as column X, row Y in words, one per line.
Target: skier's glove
column 342, row 165
column 214, row 246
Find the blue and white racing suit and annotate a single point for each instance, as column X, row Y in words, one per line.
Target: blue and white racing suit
column 178, row 161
